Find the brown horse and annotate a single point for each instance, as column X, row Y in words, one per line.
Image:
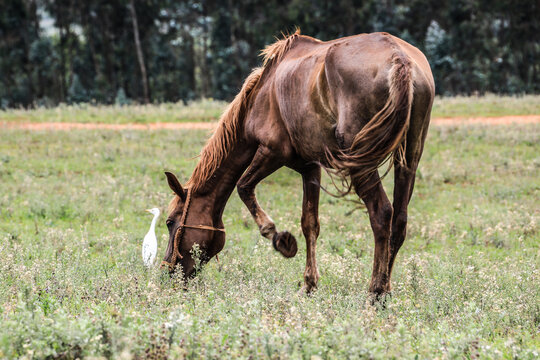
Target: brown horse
column 349, row 104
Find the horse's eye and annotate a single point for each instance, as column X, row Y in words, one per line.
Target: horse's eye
column 169, row 223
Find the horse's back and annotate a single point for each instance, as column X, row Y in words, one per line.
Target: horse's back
column 284, row 113
column 318, row 87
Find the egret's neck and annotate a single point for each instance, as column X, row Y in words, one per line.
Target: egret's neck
column 153, row 224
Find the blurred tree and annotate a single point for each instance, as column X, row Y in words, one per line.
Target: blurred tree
column 438, row 52
column 76, row 92
column 53, row 51
column 17, row 32
column 140, row 56
column 121, row 98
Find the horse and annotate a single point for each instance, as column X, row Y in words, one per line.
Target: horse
column 346, row 105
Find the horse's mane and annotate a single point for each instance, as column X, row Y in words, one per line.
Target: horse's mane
column 231, row 123
column 274, row 52
column 225, row 136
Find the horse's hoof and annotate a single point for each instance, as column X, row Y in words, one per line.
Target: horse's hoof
column 380, row 299
column 285, row 243
column 306, row 290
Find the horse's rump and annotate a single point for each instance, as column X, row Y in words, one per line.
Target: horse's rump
column 381, row 136
column 344, row 103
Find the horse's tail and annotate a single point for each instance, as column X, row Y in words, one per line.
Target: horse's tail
column 383, row 137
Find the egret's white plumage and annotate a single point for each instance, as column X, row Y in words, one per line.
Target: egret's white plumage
column 149, row 247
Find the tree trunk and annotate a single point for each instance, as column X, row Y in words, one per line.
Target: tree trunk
column 86, row 21
column 139, row 51
column 107, row 52
column 28, row 36
column 60, row 23
column 190, row 60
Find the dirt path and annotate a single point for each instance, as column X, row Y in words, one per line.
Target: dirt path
column 503, row 120
column 93, row 126
column 500, row 120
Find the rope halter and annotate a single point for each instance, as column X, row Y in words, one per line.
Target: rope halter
column 180, row 232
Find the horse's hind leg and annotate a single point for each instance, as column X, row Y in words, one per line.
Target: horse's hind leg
column 380, row 217
column 403, row 188
column 263, row 164
column 311, row 178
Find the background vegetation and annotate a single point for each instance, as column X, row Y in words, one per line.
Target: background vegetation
column 72, row 284
column 119, row 51
column 210, row 110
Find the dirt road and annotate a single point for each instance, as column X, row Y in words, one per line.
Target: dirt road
column 503, row 120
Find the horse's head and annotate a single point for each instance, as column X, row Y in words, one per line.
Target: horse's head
column 191, row 227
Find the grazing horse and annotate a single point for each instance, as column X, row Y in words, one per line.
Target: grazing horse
column 349, row 105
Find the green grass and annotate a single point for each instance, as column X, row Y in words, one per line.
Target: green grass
column 489, row 105
column 72, row 284
column 202, row 110
column 209, row 110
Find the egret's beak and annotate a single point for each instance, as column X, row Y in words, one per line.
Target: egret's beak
column 148, row 210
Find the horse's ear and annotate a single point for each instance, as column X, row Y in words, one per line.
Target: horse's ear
column 175, row 186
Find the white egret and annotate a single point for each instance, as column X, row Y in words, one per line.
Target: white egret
column 149, row 247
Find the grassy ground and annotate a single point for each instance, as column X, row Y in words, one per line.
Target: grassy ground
column 489, row 105
column 202, row 110
column 208, row 110
column 72, row 284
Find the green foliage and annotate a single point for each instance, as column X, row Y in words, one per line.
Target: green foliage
column 437, row 51
column 121, row 98
column 76, row 92
column 195, row 49
column 72, row 283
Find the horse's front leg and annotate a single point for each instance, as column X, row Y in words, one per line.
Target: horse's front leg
column 310, row 224
column 263, row 164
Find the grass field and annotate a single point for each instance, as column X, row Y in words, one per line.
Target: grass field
column 209, row 110
column 72, row 284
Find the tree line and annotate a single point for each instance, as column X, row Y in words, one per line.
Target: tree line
column 119, row 51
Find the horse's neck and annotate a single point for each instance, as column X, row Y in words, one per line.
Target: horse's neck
column 222, row 183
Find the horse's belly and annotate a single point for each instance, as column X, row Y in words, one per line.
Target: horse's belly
column 311, row 136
